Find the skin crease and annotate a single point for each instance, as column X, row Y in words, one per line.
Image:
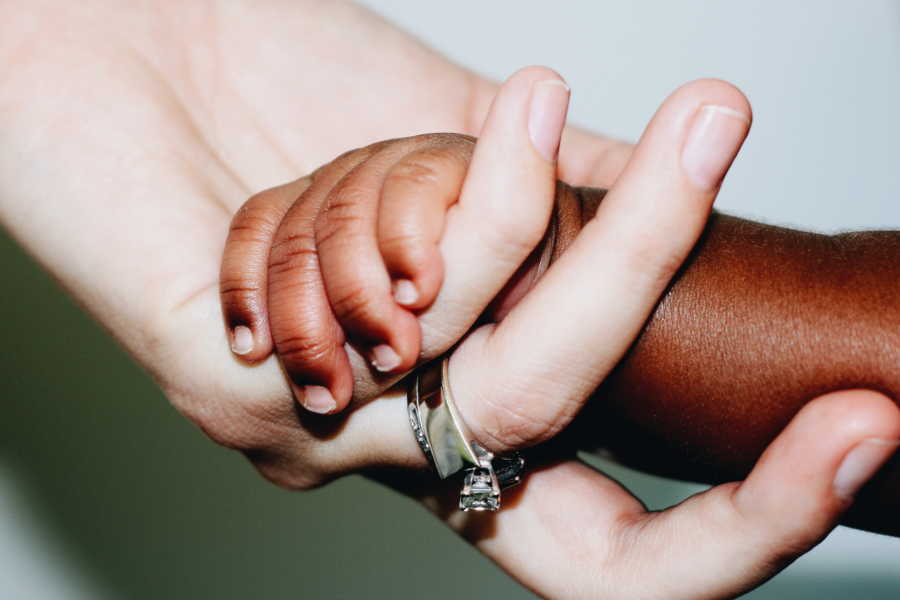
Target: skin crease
column 759, row 320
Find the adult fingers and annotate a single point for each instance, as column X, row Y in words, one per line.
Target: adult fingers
column 504, row 205
column 522, row 381
column 243, row 279
column 414, row 201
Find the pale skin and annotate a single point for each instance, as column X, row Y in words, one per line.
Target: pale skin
column 153, row 133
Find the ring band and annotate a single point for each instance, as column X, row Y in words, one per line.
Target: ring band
column 448, row 445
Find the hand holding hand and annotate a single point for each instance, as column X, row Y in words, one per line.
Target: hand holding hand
column 155, row 160
column 571, row 532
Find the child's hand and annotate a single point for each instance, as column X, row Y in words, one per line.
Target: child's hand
column 347, row 254
column 378, row 216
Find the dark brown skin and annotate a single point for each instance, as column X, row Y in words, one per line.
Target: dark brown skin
column 759, row 321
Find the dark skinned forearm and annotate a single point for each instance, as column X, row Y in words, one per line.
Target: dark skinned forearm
column 759, row 321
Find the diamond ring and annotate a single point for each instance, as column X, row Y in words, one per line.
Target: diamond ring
column 443, row 437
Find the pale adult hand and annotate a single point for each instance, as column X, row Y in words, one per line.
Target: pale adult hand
column 133, row 132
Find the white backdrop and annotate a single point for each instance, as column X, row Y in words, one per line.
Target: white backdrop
column 822, row 77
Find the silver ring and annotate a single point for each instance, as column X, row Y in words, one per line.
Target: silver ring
column 448, row 445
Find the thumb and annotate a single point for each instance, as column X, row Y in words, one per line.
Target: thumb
column 504, row 205
column 792, row 499
column 520, row 382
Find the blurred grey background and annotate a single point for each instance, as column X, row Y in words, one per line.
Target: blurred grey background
column 105, row 492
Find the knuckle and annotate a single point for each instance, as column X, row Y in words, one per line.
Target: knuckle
column 449, row 149
column 341, row 219
column 429, row 167
column 251, row 228
column 252, row 217
column 418, row 171
column 305, row 348
column 337, row 229
column 400, row 242
column 445, row 140
column 255, row 220
column 257, row 201
column 352, row 157
column 238, row 290
column 356, row 303
column 242, row 301
column 301, row 238
column 456, row 149
column 346, row 197
column 291, row 250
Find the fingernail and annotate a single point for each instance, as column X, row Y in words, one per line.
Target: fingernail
column 384, row 358
column 547, row 116
column 405, row 292
column 712, row 143
column 241, row 340
column 860, row 464
column 317, row 399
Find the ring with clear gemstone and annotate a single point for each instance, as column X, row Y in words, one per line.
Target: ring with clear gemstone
column 445, row 441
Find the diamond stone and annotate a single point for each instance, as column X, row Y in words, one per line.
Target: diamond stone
column 480, row 491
